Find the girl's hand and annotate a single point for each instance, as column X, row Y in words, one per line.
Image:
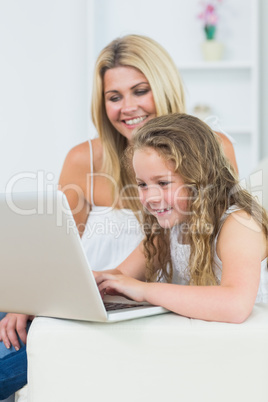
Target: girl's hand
column 121, row 284
column 97, row 274
column 11, row 326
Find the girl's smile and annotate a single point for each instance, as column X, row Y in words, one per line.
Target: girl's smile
column 161, row 212
column 162, row 191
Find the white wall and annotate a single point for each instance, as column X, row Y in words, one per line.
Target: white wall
column 43, row 96
column 264, row 76
column 47, row 52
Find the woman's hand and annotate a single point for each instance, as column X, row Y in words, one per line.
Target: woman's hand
column 11, row 326
column 121, row 284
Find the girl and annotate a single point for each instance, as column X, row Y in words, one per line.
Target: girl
column 205, row 249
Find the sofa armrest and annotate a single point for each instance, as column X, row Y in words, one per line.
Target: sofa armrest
column 161, row 358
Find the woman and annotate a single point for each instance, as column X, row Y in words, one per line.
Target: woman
column 135, row 80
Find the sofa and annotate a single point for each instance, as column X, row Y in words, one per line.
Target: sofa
column 161, row 358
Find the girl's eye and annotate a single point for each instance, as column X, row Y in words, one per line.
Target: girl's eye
column 141, row 185
column 163, row 183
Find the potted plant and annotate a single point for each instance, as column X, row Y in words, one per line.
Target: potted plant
column 212, row 49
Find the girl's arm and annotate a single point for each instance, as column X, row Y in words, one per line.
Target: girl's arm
column 133, row 266
column 241, row 247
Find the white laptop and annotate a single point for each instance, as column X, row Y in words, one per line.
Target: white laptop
column 43, row 268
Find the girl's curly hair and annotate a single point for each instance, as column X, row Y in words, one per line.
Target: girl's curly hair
column 212, row 185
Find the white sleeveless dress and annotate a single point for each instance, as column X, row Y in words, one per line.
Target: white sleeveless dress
column 110, row 234
column 180, row 254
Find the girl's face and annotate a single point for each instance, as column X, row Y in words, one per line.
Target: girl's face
column 161, row 190
column 128, row 98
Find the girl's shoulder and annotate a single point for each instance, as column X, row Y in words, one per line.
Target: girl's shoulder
column 241, row 217
column 239, row 227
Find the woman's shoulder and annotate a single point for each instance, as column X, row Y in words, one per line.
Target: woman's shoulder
column 97, row 151
column 77, row 164
column 79, row 156
column 225, row 139
column 228, row 149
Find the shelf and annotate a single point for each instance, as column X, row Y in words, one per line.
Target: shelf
column 238, row 130
column 215, row 65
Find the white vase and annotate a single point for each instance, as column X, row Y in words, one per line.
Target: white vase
column 212, row 50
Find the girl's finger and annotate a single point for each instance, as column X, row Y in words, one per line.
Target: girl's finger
column 107, row 284
column 103, row 277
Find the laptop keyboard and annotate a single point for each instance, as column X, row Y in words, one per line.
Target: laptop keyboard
column 120, row 306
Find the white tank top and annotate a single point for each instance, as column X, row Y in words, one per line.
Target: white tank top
column 180, row 254
column 110, row 234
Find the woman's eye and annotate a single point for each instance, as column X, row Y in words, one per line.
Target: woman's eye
column 114, row 98
column 141, row 92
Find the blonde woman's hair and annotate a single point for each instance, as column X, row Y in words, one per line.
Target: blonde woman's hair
column 212, row 186
column 152, row 60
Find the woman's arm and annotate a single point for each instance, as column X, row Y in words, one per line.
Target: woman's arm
column 228, row 150
column 75, row 181
column 11, row 326
column 241, row 247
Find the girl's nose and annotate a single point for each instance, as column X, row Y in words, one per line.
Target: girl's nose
column 154, row 194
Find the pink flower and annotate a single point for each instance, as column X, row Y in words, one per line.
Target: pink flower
column 210, row 8
column 212, row 19
column 209, row 13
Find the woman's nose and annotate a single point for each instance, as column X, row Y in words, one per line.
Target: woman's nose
column 129, row 105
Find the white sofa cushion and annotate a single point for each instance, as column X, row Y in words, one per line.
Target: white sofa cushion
column 162, row 358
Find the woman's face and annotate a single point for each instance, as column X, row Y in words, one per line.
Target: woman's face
column 128, row 98
column 161, row 190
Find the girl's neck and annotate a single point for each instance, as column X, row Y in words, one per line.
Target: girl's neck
column 182, row 231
